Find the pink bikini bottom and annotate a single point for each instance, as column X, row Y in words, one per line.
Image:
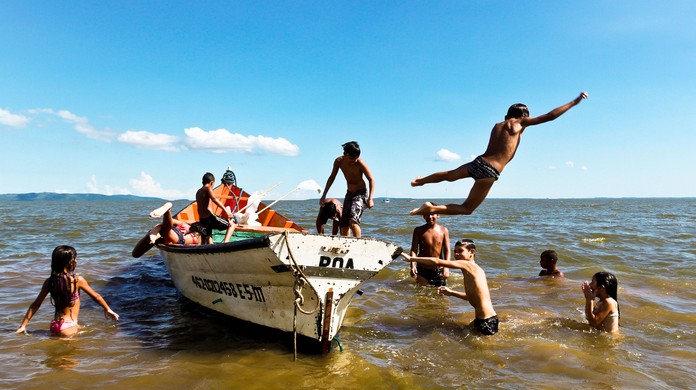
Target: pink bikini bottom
column 61, row 325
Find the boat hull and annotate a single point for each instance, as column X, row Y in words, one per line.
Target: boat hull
column 291, row 281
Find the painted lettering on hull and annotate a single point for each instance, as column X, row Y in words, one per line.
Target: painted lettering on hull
column 236, row 290
column 336, row 262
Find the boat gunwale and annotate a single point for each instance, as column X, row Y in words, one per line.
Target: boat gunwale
column 253, row 243
column 234, row 246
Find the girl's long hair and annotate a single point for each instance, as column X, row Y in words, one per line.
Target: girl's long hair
column 62, row 283
column 610, row 284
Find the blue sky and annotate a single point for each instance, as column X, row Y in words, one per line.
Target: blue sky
column 143, row 97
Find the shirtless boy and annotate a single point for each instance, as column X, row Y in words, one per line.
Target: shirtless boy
column 357, row 197
column 430, row 240
column 475, row 284
column 548, row 260
column 331, row 209
column 486, row 168
column 208, row 219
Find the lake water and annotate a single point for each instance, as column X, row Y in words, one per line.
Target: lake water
column 396, row 335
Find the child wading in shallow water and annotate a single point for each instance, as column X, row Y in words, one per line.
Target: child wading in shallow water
column 64, row 287
column 605, row 314
column 476, row 290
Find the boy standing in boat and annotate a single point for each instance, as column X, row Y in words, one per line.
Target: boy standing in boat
column 208, row 219
column 357, row 197
column 475, row 284
column 430, row 240
column 486, row 168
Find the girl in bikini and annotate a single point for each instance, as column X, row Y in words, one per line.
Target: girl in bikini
column 174, row 231
column 604, row 315
column 64, row 286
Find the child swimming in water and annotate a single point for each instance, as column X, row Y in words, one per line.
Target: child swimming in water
column 605, row 314
column 64, row 287
column 548, row 261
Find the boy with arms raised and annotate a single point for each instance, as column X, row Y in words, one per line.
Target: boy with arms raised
column 475, row 284
column 486, row 168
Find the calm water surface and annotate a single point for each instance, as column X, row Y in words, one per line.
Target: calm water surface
column 396, row 335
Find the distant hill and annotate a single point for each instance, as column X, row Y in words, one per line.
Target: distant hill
column 52, row 196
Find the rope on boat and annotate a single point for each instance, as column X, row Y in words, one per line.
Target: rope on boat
column 300, row 281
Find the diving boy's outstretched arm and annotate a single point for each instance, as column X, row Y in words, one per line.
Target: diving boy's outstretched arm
column 553, row 114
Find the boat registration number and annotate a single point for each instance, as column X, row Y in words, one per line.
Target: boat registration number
column 236, row 290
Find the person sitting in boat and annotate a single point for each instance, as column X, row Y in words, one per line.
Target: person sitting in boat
column 331, row 209
column 174, row 231
column 207, row 218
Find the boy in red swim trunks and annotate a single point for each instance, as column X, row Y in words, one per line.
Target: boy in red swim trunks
column 486, row 168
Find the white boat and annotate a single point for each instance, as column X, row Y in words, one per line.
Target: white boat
column 276, row 275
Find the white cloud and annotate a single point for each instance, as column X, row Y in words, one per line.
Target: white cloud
column 279, row 146
column 214, row 141
column 552, row 167
column 145, row 185
column 570, row 164
column 149, row 140
column 93, row 188
column 446, row 155
column 584, row 168
column 222, row 141
column 80, row 124
column 13, row 120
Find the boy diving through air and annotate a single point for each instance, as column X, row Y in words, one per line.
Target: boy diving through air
column 486, row 168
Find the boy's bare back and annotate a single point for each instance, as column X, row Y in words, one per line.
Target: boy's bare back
column 203, row 202
column 503, row 143
column 505, row 136
column 476, row 288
